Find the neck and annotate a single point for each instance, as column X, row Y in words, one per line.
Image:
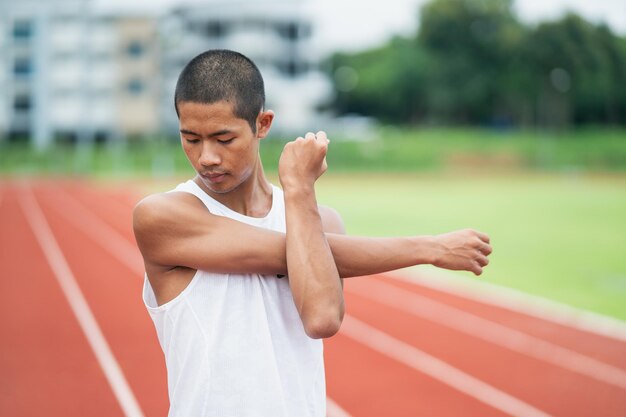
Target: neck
column 253, row 197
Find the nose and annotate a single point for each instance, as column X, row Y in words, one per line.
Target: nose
column 210, row 155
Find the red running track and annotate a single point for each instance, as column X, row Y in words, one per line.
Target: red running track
column 404, row 349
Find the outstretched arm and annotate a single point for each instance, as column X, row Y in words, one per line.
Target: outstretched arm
column 175, row 229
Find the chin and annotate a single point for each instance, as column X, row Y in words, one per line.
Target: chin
column 222, row 188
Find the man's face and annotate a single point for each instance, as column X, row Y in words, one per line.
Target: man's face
column 220, row 146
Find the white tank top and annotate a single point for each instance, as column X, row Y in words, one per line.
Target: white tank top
column 234, row 344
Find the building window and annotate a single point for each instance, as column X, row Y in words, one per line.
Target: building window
column 291, row 68
column 215, row 29
column 135, row 49
column 22, row 103
column 135, row 86
column 22, row 29
column 22, row 66
column 293, row 31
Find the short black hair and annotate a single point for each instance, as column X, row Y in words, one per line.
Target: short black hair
column 221, row 74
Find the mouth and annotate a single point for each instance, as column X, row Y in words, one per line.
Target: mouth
column 215, row 177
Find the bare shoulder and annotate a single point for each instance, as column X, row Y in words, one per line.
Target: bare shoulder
column 331, row 220
column 164, row 208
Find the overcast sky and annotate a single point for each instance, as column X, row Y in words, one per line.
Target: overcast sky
column 358, row 24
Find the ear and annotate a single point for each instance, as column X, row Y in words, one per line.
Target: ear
column 264, row 123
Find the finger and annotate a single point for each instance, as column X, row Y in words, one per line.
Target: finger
column 299, row 138
column 477, row 270
column 485, row 249
column 321, row 135
column 310, row 135
column 482, row 260
column 483, row 237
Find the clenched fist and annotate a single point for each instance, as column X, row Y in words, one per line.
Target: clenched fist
column 303, row 161
column 465, row 250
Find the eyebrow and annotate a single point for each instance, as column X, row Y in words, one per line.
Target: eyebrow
column 214, row 134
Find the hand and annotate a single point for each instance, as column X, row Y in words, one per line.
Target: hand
column 303, row 161
column 462, row 250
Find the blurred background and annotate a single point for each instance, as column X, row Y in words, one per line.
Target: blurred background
column 505, row 116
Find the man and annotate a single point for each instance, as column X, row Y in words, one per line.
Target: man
column 243, row 279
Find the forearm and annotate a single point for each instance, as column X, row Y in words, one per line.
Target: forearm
column 247, row 249
column 358, row 256
column 313, row 276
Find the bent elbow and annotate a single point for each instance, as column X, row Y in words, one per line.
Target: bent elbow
column 323, row 327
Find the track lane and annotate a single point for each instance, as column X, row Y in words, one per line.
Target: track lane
column 114, row 294
column 46, row 364
column 367, row 383
column 532, row 381
column 439, row 370
column 114, row 207
column 611, row 351
column 468, row 323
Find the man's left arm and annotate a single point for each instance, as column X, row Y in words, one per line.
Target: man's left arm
column 313, row 275
column 332, row 222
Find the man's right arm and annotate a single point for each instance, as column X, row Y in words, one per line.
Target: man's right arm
column 175, row 229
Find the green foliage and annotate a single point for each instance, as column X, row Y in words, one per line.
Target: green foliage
column 391, row 82
column 473, row 62
column 472, row 43
column 594, row 64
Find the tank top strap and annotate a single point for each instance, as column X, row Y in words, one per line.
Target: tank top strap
column 191, row 187
column 275, row 218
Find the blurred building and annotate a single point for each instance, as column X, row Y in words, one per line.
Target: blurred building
column 276, row 35
column 71, row 74
column 67, row 73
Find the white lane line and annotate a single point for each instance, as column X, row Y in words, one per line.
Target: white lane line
column 334, row 410
column 79, row 305
column 436, row 368
column 490, row 332
column 514, row 300
column 99, row 231
column 117, row 201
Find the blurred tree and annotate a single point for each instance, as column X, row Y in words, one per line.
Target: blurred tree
column 389, row 82
column 577, row 70
column 473, row 62
column 473, row 42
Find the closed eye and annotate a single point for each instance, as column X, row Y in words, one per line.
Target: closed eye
column 192, row 140
column 225, row 142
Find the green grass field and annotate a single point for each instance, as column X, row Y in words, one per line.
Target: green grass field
column 559, row 236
